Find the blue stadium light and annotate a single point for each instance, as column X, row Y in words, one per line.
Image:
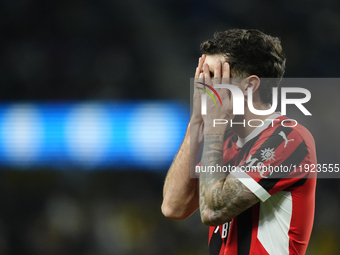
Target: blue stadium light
column 91, row 135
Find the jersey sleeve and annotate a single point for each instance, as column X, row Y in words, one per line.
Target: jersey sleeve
column 273, row 163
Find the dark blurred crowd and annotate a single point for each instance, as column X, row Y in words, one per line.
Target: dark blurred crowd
column 123, row 50
column 91, row 213
column 83, row 49
column 110, row 212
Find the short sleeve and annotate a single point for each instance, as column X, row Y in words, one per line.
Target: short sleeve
column 272, row 163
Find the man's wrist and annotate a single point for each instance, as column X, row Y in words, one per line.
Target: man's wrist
column 218, row 129
column 196, row 120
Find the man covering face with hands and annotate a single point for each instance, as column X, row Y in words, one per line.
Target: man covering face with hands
column 250, row 208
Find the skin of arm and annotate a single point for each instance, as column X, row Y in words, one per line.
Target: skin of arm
column 180, row 192
column 222, row 197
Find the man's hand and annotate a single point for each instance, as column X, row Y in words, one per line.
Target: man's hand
column 196, row 112
column 217, row 111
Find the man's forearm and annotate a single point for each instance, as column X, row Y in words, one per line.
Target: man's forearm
column 221, row 198
column 211, row 184
column 180, row 194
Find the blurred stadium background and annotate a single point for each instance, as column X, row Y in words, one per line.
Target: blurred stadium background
column 95, row 102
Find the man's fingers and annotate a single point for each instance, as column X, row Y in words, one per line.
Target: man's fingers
column 199, row 84
column 201, row 79
column 202, row 61
column 200, row 65
column 226, row 73
column 217, row 72
column 206, row 72
column 197, row 72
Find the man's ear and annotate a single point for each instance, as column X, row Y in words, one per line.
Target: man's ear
column 253, row 82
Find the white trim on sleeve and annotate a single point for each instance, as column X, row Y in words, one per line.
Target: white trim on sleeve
column 251, row 184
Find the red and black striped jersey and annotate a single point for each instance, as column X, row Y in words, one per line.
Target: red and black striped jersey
column 281, row 223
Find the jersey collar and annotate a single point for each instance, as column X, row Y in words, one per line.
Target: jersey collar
column 256, row 131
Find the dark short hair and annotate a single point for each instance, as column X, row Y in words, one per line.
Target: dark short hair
column 250, row 52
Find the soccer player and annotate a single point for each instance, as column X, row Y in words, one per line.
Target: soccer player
column 249, row 212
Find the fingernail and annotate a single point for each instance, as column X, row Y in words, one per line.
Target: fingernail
column 217, row 61
column 226, row 64
column 201, row 75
